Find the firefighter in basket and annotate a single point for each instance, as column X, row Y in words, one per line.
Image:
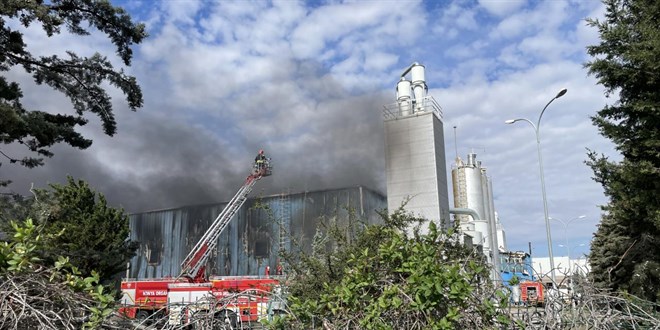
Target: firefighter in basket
column 260, row 162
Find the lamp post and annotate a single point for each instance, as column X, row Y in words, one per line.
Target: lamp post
column 568, row 248
column 570, row 272
column 577, row 261
column 545, row 201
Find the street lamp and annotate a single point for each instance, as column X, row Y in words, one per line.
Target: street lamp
column 577, row 260
column 566, row 223
column 570, row 272
column 545, row 201
column 568, row 250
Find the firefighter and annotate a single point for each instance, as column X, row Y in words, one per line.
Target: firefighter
column 278, row 270
column 260, row 160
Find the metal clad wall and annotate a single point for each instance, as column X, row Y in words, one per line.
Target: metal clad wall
column 252, row 239
column 441, row 168
column 415, row 166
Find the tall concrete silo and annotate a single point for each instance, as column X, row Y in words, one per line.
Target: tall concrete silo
column 415, row 150
column 473, row 189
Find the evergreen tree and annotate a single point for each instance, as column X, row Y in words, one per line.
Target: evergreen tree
column 78, row 224
column 81, row 79
column 625, row 252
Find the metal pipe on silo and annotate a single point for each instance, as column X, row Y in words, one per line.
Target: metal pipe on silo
column 405, row 72
column 469, row 227
column 403, row 95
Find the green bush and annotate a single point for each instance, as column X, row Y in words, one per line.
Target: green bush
column 383, row 278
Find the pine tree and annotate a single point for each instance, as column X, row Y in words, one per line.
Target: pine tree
column 81, row 79
column 625, row 252
column 79, row 225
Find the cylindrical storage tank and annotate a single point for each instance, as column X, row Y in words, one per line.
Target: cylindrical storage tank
column 419, row 85
column 403, row 95
column 403, row 89
column 460, row 197
column 482, row 227
column 417, row 74
column 474, row 192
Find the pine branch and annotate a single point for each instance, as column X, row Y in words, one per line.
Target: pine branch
column 609, row 271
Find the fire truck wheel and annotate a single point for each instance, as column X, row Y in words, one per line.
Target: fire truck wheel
column 226, row 319
column 141, row 315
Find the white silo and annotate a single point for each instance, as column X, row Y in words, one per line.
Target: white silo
column 467, row 187
column 473, row 190
column 415, row 154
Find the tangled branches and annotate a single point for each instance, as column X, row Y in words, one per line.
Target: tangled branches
column 36, row 296
column 584, row 306
column 30, row 300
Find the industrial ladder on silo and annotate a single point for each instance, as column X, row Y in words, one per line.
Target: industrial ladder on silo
column 193, row 267
column 285, row 221
column 462, row 193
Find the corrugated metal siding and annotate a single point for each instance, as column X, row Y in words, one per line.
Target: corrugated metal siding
column 252, row 240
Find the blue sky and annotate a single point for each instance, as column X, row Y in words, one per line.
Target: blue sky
column 306, row 81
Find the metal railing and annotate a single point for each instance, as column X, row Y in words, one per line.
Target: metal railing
column 413, row 108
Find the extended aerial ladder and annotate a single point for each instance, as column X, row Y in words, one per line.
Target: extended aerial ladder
column 193, row 267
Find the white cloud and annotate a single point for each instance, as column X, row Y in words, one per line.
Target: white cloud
column 182, row 11
column 330, row 24
column 454, row 19
column 548, row 47
column 502, row 7
column 379, row 61
column 513, row 26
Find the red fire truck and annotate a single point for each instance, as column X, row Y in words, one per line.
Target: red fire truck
column 191, row 297
column 532, row 293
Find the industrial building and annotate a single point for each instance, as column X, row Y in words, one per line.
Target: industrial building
column 262, row 228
